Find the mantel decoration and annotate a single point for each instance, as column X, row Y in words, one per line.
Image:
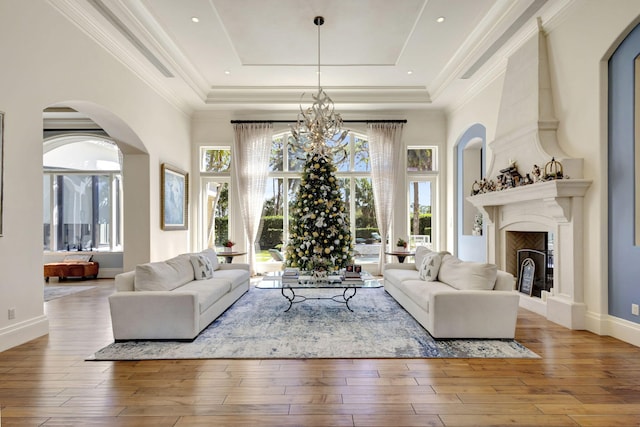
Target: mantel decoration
column 320, row 236
column 510, row 177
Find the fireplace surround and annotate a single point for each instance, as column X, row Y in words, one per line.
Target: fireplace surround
column 526, row 137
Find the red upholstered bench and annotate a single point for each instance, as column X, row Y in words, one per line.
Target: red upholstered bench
column 72, row 266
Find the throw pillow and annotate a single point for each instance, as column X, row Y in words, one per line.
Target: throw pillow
column 421, row 251
column 213, row 257
column 466, row 275
column 202, row 267
column 430, row 266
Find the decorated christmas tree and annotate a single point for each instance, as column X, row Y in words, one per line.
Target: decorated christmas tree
column 320, row 237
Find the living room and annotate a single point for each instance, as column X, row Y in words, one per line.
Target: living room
column 56, row 61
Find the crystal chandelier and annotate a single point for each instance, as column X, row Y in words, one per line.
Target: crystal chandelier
column 319, row 122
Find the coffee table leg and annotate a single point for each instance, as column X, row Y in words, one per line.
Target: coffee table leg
column 289, row 298
column 348, row 297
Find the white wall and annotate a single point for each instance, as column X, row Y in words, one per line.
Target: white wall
column 578, row 51
column 579, row 46
column 46, row 61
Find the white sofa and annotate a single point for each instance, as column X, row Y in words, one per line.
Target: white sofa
column 467, row 299
column 164, row 300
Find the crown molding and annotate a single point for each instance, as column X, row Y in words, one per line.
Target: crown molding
column 166, row 48
column 95, row 26
column 302, row 94
column 551, row 15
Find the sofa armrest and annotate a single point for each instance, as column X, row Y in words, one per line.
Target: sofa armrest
column 125, row 281
column 154, row 315
column 504, row 281
column 473, row 314
column 236, row 266
column 400, row 266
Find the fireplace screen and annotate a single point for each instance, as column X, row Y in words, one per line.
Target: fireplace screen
column 535, row 271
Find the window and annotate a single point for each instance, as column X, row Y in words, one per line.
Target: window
column 216, row 202
column 422, row 175
column 82, row 194
column 215, row 159
column 353, row 171
column 421, row 159
column 215, row 171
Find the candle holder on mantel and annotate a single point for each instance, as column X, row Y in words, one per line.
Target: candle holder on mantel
column 553, row 170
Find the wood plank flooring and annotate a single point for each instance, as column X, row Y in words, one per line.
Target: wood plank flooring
column 581, row 380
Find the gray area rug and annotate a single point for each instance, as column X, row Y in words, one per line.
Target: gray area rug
column 53, row 292
column 256, row 326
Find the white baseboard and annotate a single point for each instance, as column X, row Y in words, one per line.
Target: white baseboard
column 615, row 327
column 20, row 333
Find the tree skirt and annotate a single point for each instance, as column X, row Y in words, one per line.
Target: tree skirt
column 256, row 327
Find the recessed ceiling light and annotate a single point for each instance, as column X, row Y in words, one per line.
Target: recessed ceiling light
column 195, row 19
column 440, row 19
column 409, row 72
column 227, row 72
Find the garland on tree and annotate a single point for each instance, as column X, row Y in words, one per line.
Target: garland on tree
column 320, row 236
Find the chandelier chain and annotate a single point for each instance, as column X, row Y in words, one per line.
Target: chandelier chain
column 320, row 122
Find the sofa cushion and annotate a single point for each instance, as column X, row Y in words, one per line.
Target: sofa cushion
column 213, row 257
column 420, row 291
column 202, row 268
column 209, row 291
column 235, row 276
column 164, row 276
column 430, row 266
column 397, row 276
column 421, row 251
column 466, row 275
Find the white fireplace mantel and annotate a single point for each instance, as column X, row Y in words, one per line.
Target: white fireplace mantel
column 553, row 193
column 551, row 206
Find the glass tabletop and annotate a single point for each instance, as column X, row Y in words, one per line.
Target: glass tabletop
column 306, row 280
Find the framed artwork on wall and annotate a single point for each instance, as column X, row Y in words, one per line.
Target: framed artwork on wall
column 1, row 168
column 174, row 198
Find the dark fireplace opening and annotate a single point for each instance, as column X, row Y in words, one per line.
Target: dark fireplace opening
column 536, row 250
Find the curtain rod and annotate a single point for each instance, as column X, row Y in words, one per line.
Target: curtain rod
column 295, row 121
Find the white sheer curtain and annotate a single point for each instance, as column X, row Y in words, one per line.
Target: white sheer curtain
column 385, row 150
column 250, row 162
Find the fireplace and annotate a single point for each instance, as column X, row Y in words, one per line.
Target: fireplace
column 544, row 216
column 536, row 246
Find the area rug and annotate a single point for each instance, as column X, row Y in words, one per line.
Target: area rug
column 256, row 327
column 53, row 292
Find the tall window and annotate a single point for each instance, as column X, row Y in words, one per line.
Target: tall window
column 352, row 164
column 215, row 167
column 422, row 174
column 82, row 190
column 285, row 167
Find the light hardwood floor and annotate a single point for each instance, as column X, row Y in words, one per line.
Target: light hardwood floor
column 581, row 379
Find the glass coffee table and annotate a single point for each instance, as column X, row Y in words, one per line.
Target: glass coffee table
column 288, row 287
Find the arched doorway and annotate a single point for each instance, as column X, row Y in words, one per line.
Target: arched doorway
column 135, row 175
column 470, row 167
